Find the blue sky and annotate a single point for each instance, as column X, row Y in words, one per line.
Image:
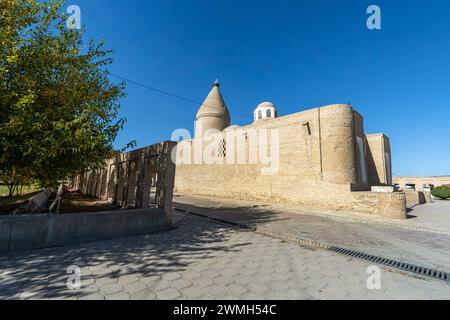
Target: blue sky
column 297, row 54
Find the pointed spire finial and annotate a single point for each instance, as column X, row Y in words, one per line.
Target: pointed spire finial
column 216, row 83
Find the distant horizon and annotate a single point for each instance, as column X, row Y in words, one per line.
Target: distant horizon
column 297, row 55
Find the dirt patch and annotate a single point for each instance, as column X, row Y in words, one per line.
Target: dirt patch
column 76, row 202
column 72, row 202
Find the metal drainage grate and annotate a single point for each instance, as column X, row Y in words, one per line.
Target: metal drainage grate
column 432, row 273
column 440, row 275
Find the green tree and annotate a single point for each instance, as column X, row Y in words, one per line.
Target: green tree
column 441, row 192
column 58, row 108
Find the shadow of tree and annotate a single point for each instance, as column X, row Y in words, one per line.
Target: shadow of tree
column 43, row 274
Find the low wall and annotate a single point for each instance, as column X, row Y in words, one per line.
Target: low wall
column 24, row 233
column 420, row 181
column 334, row 197
column 414, row 198
column 388, row 205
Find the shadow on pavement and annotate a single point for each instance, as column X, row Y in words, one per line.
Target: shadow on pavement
column 43, row 274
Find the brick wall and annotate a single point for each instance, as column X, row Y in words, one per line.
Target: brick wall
column 414, row 198
column 130, row 180
column 321, row 161
column 380, row 162
column 388, row 205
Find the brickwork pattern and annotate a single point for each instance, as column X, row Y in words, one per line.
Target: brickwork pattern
column 322, row 159
column 127, row 179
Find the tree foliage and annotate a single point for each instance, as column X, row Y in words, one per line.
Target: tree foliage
column 58, row 108
column 441, row 192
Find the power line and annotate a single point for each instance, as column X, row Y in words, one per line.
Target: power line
column 135, row 42
column 170, row 94
column 154, row 89
column 138, row 44
column 137, row 110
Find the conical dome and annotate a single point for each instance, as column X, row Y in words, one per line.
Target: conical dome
column 214, row 105
column 213, row 115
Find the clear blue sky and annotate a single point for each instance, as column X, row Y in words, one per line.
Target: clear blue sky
column 297, row 54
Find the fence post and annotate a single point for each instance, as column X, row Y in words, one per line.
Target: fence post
column 166, row 178
column 140, row 173
column 116, row 178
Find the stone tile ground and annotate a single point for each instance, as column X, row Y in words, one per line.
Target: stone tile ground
column 360, row 233
column 202, row 260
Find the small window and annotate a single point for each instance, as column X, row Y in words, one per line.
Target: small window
column 222, row 153
column 269, row 113
column 260, row 114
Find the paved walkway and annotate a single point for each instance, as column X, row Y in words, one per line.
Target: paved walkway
column 381, row 237
column 202, row 260
column 432, row 215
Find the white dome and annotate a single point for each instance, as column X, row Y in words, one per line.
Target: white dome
column 265, row 110
column 265, row 105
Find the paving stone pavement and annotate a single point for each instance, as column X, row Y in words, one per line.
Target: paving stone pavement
column 202, row 260
column 420, row 248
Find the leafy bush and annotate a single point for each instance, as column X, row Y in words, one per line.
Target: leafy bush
column 441, row 192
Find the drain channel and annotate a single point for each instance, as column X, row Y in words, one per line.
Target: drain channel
column 423, row 271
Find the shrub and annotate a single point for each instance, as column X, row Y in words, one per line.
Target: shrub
column 441, row 192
